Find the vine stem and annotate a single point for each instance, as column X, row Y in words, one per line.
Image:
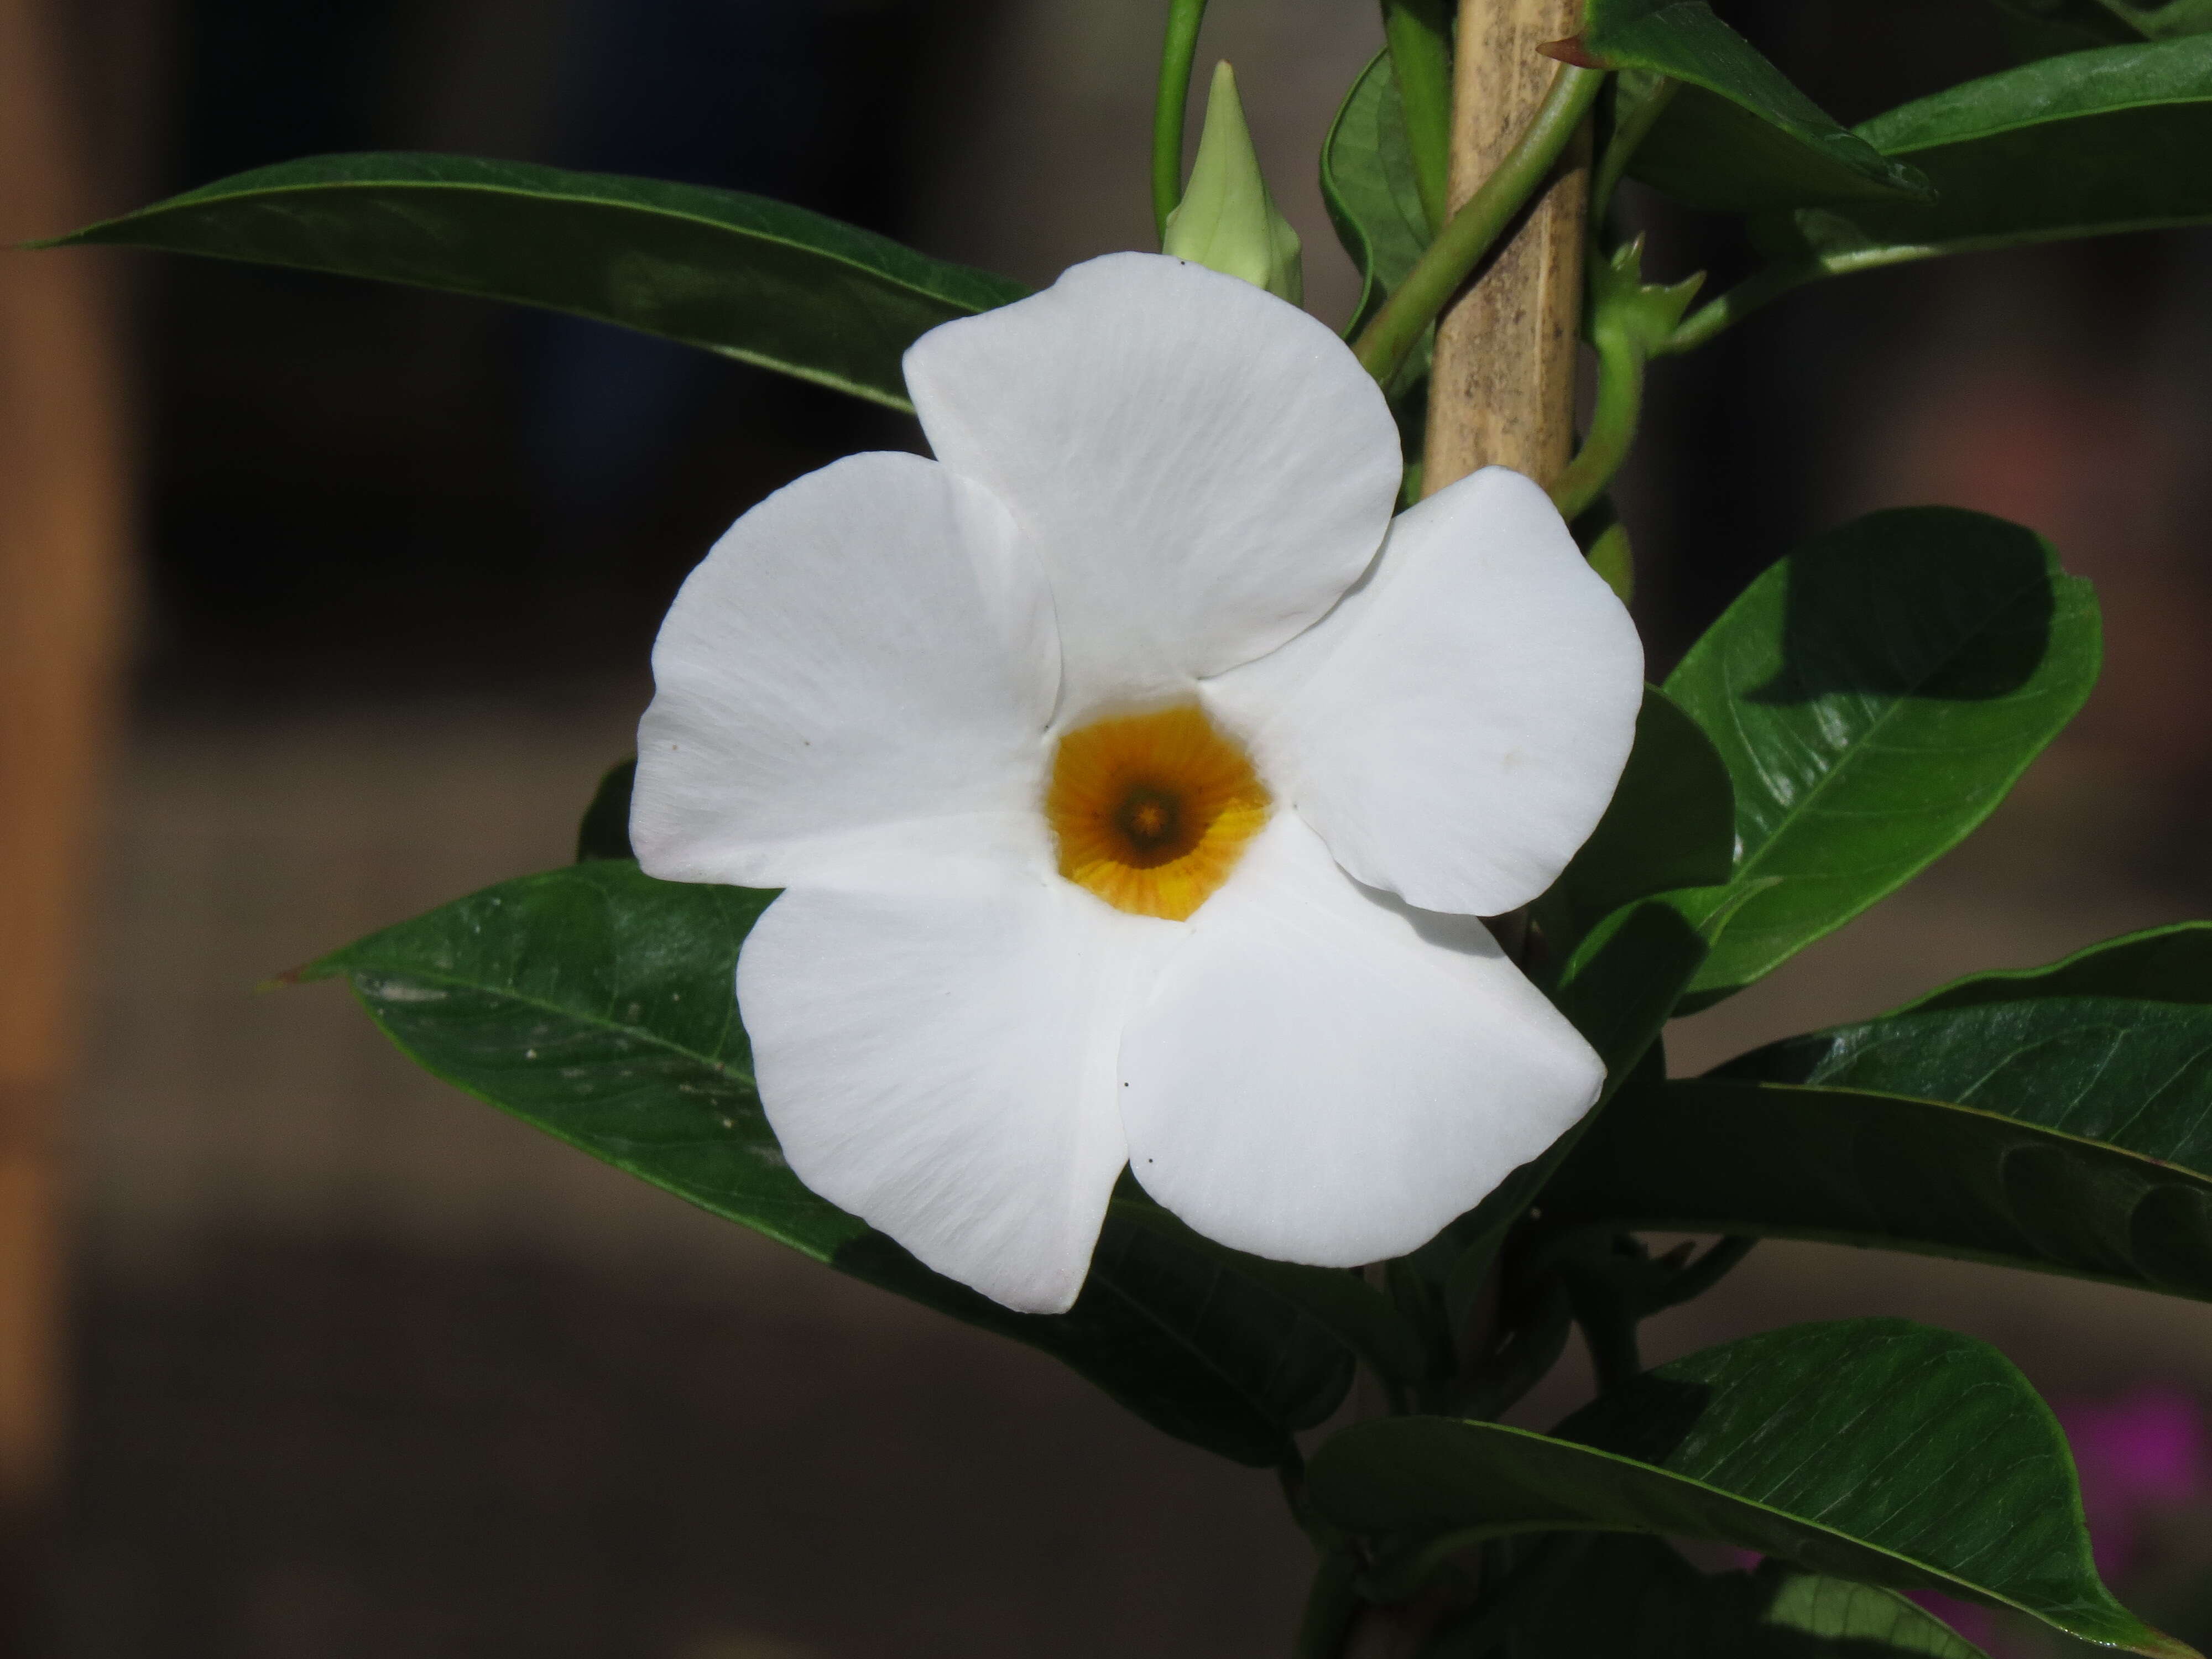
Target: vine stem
column 1383, row 346
column 1612, row 427
column 1176, row 54
column 1762, row 285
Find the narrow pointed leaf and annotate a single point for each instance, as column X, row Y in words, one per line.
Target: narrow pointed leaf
column 751, row 278
column 1654, row 1605
column 1874, row 694
column 1371, row 188
column 1883, row 1171
column 1873, row 1449
column 599, row 1005
column 2161, row 964
column 2082, row 144
column 1738, row 135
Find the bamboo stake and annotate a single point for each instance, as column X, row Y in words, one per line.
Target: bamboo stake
column 1503, row 391
column 64, row 519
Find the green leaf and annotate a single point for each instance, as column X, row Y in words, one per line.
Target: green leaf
column 2130, row 1074
column 748, row 277
column 1672, row 824
column 1619, row 986
column 1868, row 1450
column 2172, row 964
column 1850, row 1167
column 605, row 831
column 2079, row 145
column 1338, row 1300
column 1654, row 1605
column 1873, row 695
column 2084, row 23
column 1738, row 135
column 1371, row 188
column 599, row 1005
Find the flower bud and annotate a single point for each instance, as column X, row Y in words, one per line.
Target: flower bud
column 1228, row 221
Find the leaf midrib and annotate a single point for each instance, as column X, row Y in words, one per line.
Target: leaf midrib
column 1792, row 1517
column 160, row 210
column 1870, row 733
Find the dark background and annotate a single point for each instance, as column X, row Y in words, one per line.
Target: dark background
column 360, row 1367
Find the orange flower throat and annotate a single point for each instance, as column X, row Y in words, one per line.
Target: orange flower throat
column 1152, row 812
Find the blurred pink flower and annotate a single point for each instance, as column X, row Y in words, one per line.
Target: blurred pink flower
column 2139, row 1451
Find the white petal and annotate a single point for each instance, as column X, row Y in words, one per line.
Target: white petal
column 1202, row 468
column 866, row 657
column 1456, row 726
column 939, row 1061
column 1324, row 1075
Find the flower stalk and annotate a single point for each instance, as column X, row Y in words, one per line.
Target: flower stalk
column 1176, row 54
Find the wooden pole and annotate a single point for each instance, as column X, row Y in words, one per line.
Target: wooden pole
column 1503, row 390
column 64, row 515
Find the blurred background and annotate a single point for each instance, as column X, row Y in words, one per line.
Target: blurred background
column 340, row 604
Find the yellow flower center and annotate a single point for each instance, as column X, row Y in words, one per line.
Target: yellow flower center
column 1152, row 812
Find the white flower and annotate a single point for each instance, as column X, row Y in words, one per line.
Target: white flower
column 1105, row 765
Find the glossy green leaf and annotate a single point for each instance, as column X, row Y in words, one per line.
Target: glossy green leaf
column 748, row 277
column 1672, row 824
column 1651, row 1604
column 2131, row 1074
column 604, row 832
column 1870, row 1449
column 2172, row 964
column 1370, row 184
column 1738, row 135
column 1873, row 695
column 2080, row 25
column 1850, row 1167
column 1340, row 1300
column 1371, row 188
column 2079, row 145
column 598, row 1003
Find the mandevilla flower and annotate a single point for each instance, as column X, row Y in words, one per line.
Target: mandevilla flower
column 1135, row 783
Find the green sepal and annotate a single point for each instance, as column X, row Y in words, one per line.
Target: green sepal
column 1228, row 220
column 1642, row 315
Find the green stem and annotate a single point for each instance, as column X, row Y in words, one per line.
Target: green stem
column 1331, row 1605
column 1612, row 424
column 1419, row 36
column 1762, row 285
column 1627, row 136
column 1176, row 55
column 1386, row 342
